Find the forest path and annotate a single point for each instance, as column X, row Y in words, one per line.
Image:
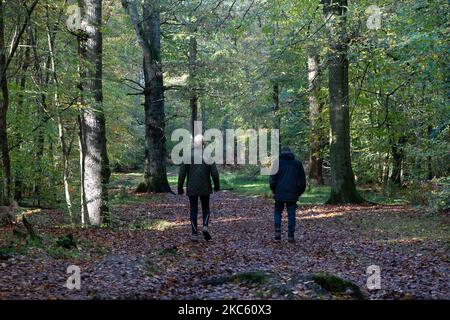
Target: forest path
column 148, row 253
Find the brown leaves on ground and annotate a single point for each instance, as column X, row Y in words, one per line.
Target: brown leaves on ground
column 147, row 254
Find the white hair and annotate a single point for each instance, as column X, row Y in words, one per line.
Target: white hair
column 198, row 141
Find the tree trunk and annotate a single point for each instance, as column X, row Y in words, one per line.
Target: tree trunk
column 276, row 105
column 193, row 100
column 204, row 117
column 83, row 209
column 386, row 168
column 4, row 104
column 315, row 109
column 276, row 93
column 155, row 175
column 22, row 83
column 149, row 37
column 96, row 166
column 65, row 149
column 4, row 99
column 41, row 77
column 397, row 160
column 343, row 189
column 66, row 167
column 429, row 158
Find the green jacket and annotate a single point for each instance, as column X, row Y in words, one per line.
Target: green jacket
column 198, row 179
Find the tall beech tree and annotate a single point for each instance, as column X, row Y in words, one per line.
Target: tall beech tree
column 95, row 166
column 148, row 31
column 5, row 61
column 343, row 189
column 242, row 62
column 315, row 110
column 6, row 162
column 193, row 99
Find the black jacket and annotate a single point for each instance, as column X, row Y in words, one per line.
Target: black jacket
column 198, row 178
column 289, row 182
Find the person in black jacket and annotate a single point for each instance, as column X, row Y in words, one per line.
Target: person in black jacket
column 198, row 186
column 287, row 185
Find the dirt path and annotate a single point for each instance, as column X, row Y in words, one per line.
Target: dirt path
column 148, row 254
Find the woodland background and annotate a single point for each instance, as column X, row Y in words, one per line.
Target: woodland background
column 88, row 107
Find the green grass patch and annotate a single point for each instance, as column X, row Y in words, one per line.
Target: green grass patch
column 9, row 250
column 400, row 227
column 66, row 242
column 150, row 267
column 57, row 247
column 167, row 251
column 125, row 180
column 127, row 197
column 19, row 243
column 153, row 224
column 62, row 253
column 336, row 285
column 122, row 189
column 246, row 180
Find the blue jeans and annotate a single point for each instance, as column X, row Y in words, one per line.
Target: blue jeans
column 290, row 206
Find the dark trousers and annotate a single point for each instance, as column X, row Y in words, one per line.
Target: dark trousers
column 193, row 200
column 290, row 206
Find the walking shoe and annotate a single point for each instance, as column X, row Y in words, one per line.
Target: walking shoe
column 194, row 237
column 206, row 233
column 277, row 235
column 290, row 238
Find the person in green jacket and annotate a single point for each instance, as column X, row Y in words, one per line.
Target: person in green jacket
column 198, row 186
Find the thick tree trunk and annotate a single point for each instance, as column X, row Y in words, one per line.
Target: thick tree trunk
column 193, row 100
column 155, row 175
column 22, row 83
column 4, row 104
column 4, row 99
column 65, row 149
column 343, row 189
column 397, row 160
column 315, row 109
column 41, row 77
column 96, row 166
column 149, row 37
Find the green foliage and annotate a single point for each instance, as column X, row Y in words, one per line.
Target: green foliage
column 433, row 194
column 335, row 284
column 152, row 224
column 66, row 242
column 151, row 267
column 398, row 77
column 167, row 251
column 390, row 227
column 256, row 277
column 62, row 253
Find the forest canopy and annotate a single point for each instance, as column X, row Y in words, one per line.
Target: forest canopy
column 114, row 92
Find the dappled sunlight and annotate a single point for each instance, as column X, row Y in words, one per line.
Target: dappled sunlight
column 237, row 219
column 245, row 186
column 242, row 231
column 171, row 205
column 151, row 145
column 321, row 216
column 410, row 240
